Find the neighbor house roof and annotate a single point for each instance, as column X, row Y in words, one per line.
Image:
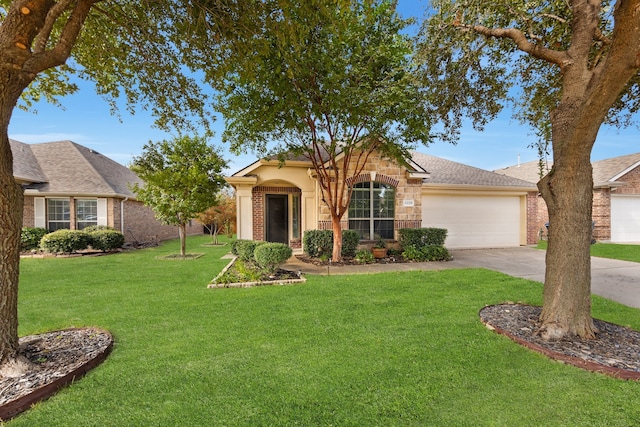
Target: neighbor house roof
column 606, row 172
column 25, row 165
column 67, row 168
column 447, row 172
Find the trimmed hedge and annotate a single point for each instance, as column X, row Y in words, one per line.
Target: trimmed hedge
column 105, row 239
column 244, row 249
column 65, row 241
column 318, row 243
column 271, row 255
column 426, row 253
column 420, row 237
column 30, row 237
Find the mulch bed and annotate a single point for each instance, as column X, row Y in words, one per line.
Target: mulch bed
column 57, row 358
column 614, row 352
column 395, row 259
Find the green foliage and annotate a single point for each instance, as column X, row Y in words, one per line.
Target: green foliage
column 350, row 241
column 317, row 243
column 65, row 241
column 419, row 237
column 30, row 237
column 364, row 256
column 270, row 256
column 105, row 239
column 426, row 253
column 245, row 249
column 93, row 228
column 241, row 272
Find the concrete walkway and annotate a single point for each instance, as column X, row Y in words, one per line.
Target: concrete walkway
column 612, row 279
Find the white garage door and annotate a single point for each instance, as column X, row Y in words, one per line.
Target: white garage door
column 625, row 218
column 474, row 221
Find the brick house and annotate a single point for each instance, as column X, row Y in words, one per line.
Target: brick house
column 616, row 196
column 67, row 185
column 477, row 207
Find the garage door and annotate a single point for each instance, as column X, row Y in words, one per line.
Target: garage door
column 625, row 218
column 474, row 221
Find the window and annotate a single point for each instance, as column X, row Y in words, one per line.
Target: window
column 295, row 216
column 86, row 213
column 371, row 211
column 57, row 214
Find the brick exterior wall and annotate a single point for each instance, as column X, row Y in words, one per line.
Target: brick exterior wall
column 387, row 172
column 632, row 182
column 140, row 222
column 258, row 201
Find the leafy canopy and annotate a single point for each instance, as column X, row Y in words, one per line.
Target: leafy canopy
column 330, row 73
column 181, row 178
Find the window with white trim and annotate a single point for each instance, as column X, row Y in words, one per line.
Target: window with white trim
column 58, row 217
column 372, row 209
column 86, row 213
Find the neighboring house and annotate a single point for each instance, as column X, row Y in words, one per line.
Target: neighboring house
column 68, row 186
column 616, row 196
column 477, row 207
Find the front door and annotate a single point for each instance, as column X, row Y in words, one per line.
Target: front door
column 277, row 220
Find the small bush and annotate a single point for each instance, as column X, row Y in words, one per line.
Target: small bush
column 350, row 240
column 106, row 239
column 364, row 257
column 244, row 249
column 269, row 256
column 316, row 243
column 319, row 243
column 30, row 237
column 420, row 237
column 92, row 228
column 426, row 253
column 64, row 241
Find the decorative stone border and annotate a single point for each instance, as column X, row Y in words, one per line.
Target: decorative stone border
column 214, row 285
column 21, row 404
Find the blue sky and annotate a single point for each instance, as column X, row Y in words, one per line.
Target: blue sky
column 86, row 120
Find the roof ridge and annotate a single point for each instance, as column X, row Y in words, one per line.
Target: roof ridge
column 79, row 148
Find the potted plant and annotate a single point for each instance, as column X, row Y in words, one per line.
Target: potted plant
column 379, row 249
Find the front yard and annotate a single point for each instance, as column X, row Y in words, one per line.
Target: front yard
column 390, row 349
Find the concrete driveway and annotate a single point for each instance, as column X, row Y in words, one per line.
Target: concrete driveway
column 612, row 279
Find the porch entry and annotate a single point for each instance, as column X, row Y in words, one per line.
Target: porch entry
column 277, row 218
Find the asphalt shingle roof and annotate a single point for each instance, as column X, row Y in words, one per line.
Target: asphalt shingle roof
column 25, row 164
column 604, row 171
column 70, row 168
column 444, row 171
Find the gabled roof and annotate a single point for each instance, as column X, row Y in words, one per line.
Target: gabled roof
column 606, row 172
column 72, row 169
column 447, row 172
column 25, row 165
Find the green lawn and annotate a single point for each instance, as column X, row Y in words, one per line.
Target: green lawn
column 397, row 349
column 610, row 250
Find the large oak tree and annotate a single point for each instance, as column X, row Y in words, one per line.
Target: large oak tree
column 571, row 66
column 134, row 52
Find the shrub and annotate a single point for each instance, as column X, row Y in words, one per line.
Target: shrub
column 106, row 239
column 244, row 249
column 364, row 257
column 316, row 243
column 30, row 237
column 64, row 241
column 92, row 228
column 426, row 253
column 319, row 243
column 269, row 256
column 420, row 237
column 350, row 240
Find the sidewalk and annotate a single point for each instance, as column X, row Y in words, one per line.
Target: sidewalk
column 612, row 279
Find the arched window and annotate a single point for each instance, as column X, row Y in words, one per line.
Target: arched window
column 371, row 210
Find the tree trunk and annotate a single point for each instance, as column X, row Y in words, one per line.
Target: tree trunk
column 568, row 192
column 337, row 239
column 182, row 232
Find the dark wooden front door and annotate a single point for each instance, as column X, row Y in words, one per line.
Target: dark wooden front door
column 277, row 220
